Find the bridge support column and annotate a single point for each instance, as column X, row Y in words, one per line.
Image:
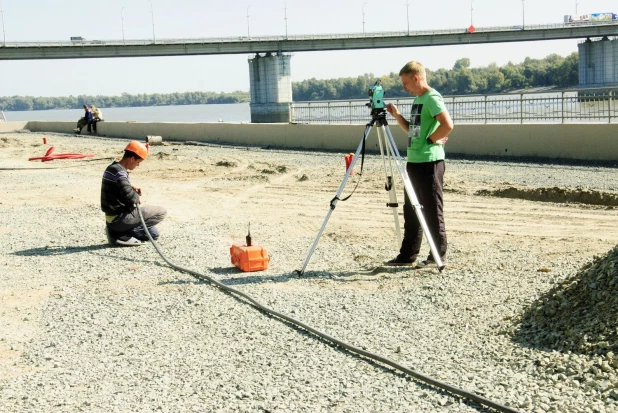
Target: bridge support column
column 598, row 63
column 271, row 88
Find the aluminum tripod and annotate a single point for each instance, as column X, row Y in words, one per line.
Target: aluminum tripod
column 390, row 152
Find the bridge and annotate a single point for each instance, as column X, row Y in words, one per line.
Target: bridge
column 270, row 73
column 82, row 49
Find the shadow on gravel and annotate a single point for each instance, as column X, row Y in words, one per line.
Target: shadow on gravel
column 238, row 277
column 66, row 250
column 579, row 314
column 59, row 250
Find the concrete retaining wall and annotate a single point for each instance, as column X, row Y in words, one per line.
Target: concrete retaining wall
column 565, row 141
column 12, row 126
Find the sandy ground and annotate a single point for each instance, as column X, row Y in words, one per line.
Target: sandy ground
column 286, row 198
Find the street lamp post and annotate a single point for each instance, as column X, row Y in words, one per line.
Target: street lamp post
column 408, row 15
column 471, row 9
column 122, row 23
column 285, row 3
column 3, row 32
column 576, row 3
column 523, row 14
column 364, row 17
column 154, row 39
column 248, row 33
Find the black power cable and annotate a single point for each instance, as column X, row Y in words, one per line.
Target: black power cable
column 421, row 377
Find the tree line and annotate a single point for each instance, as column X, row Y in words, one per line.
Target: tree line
column 553, row 70
column 19, row 103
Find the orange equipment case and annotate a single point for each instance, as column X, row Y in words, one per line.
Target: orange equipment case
column 249, row 258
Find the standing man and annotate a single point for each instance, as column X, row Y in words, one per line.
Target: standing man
column 120, row 200
column 428, row 129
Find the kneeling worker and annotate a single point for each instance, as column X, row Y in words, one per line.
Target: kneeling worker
column 120, row 200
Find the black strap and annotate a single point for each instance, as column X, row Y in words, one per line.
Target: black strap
column 367, row 129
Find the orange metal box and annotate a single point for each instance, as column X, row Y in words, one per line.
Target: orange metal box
column 249, row 258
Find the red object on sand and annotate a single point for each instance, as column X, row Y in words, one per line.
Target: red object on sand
column 348, row 161
column 49, row 157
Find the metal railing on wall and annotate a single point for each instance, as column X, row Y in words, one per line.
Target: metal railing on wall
column 565, row 106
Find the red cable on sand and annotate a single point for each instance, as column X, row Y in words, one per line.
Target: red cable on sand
column 49, row 157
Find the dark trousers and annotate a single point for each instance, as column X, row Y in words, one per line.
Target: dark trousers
column 427, row 182
column 92, row 125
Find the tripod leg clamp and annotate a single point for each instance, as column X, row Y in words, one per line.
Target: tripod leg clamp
column 333, row 202
column 392, row 204
column 389, row 184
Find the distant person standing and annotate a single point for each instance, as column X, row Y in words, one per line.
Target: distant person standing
column 427, row 129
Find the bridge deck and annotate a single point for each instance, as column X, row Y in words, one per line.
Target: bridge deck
column 300, row 43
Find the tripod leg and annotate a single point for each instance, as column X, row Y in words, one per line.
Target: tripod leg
column 413, row 198
column 389, row 184
column 333, row 202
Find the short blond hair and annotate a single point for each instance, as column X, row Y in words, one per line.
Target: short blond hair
column 413, row 68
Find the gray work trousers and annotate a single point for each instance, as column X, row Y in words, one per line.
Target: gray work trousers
column 130, row 222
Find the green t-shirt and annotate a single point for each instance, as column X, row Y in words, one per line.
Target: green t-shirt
column 422, row 124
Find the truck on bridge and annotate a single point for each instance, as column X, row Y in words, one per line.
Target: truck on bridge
column 594, row 17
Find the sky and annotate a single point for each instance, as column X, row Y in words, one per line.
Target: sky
column 43, row 20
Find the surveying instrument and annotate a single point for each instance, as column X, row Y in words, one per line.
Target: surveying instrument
column 390, row 156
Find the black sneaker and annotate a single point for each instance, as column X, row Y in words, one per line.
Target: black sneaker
column 399, row 262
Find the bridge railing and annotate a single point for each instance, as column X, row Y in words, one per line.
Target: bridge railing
column 566, row 106
column 277, row 38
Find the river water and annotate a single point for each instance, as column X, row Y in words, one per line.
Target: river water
column 233, row 112
column 547, row 108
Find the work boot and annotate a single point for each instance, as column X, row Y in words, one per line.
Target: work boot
column 400, row 261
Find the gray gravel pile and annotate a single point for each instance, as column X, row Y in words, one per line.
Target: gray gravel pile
column 85, row 327
column 579, row 314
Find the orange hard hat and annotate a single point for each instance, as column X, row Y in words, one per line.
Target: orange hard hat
column 137, row 148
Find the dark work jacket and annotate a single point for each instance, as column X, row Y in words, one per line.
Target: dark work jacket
column 88, row 116
column 117, row 195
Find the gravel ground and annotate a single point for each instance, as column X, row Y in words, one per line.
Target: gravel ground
column 87, row 327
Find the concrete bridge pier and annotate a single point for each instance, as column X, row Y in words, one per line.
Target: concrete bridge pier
column 598, row 63
column 271, row 88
